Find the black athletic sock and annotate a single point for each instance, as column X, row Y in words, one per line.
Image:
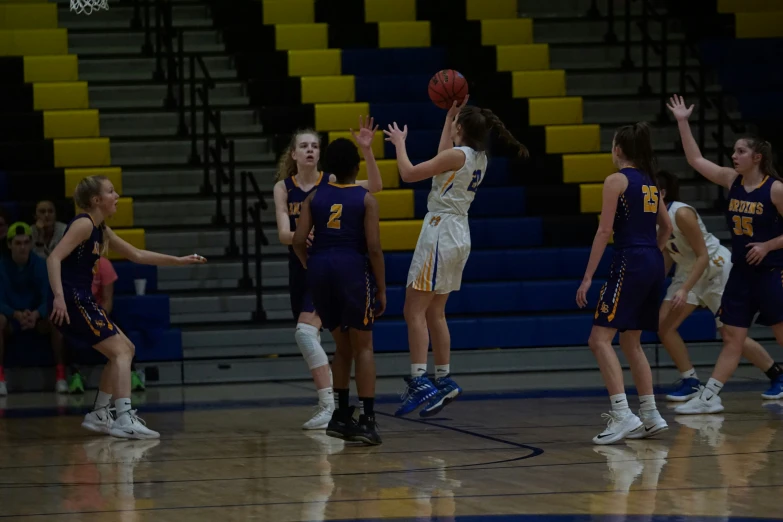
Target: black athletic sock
column 774, row 372
column 368, row 407
column 343, row 399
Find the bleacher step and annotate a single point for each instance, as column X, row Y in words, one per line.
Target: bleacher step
column 185, row 180
column 143, row 68
column 154, row 124
column 127, row 153
column 220, row 275
column 209, row 243
column 191, row 212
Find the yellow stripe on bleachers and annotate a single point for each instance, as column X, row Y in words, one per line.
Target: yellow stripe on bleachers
column 56, row 68
column 566, row 110
column 328, row 89
column 377, row 142
column 526, row 57
column 759, row 25
column 390, row 174
column 60, row 95
column 533, row 84
column 400, row 235
column 134, row 236
column 590, row 197
column 315, row 62
column 507, row 32
column 562, row 139
column 33, row 42
column 74, row 176
column 28, row 16
column 389, row 10
column 71, row 124
column 491, row 9
column 749, row 6
column 403, row 34
column 289, row 12
column 301, row 36
column 582, row 168
column 339, row 116
column 395, row 204
column 82, row 152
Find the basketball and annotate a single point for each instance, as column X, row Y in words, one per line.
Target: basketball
column 447, row 86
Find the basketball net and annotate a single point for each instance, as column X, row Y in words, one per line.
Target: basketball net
column 89, row 6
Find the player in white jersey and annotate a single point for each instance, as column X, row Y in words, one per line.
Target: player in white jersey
column 703, row 267
column 444, row 244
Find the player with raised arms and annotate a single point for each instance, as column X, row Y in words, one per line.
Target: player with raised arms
column 628, row 302
column 755, row 284
column 444, row 244
column 297, row 177
column 71, row 265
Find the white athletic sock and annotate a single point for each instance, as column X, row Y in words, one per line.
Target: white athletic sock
column 103, row 400
column 620, row 403
column 713, row 387
column 690, row 374
column 442, row 370
column 326, row 397
column 417, row 370
column 647, row 403
column 122, row 405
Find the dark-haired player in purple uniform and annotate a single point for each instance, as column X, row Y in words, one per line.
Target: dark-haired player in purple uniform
column 629, row 300
column 346, row 278
column 755, row 283
column 72, row 265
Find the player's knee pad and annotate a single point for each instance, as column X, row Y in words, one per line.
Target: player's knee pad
column 308, row 339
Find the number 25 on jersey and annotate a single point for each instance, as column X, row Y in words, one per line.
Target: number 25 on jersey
column 650, row 198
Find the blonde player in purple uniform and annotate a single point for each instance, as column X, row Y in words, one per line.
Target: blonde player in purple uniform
column 72, row 265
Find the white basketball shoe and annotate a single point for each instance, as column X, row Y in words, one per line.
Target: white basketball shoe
column 618, row 426
column 99, row 421
column 129, row 426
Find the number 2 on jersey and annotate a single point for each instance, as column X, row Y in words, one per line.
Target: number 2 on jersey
column 334, row 217
column 650, row 198
column 743, row 225
column 474, row 183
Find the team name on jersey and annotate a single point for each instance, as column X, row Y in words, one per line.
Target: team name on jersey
column 294, row 209
column 96, row 248
column 746, row 207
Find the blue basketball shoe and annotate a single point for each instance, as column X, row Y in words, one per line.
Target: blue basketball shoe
column 418, row 391
column 448, row 390
column 775, row 391
column 688, row 389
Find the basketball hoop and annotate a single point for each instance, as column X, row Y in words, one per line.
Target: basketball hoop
column 89, row 6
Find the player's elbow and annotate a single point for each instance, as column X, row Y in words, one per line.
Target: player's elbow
column 603, row 233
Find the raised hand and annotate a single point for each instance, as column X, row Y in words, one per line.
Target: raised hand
column 456, row 107
column 395, row 135
column 366, row 134
column 679, row 110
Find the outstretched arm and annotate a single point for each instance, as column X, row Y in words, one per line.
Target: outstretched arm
column 719, row 175
column 146, row 257
column 445, row 136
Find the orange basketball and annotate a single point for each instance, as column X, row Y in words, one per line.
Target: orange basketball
column 447, row 86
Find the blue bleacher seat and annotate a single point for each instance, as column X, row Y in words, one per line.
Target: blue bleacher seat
column 417, row 116
column 143, row 312
column 409, row 61
column 387, row 89
column 127, row 272
column 157, row 344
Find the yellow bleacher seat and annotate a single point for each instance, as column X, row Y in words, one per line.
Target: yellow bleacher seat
column 390, row 174
column 759, row 25
column 33, row 42
column 83, row 152
column 339, row 116
column 534, row 84
column 572, row 138
column 395, row 204
column 748, row 6
column 400, row 235
column 134, row 236
column 328, row 89
column 55, row 68
column 28, row 16
column 403, row 34
column 389, row 10
column 71, row 124
column 582, row 168
column 377, row 142
column 526, row 57
column 289, row 12
column 315, row 62
column 60, row 95
column 507, row 32
column 565, row 110
column 74, row 176
column 301, row 36
column 590, row 198
column 491, row 9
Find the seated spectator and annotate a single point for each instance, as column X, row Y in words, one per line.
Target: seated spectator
column 4, row 221
column 24, row 295
column 47, row 231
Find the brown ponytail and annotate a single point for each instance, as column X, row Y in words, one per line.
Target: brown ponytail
column 636, row 143
column 286, row 166
column 759, row 146
column 476, row 124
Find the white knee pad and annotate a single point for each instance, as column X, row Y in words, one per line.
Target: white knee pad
column 309, row 341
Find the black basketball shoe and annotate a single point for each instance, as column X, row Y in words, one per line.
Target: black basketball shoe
column 342, row 425
column 367, row 431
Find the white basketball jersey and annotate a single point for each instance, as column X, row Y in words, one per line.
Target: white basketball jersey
column 678, row 246
column 453, row 192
